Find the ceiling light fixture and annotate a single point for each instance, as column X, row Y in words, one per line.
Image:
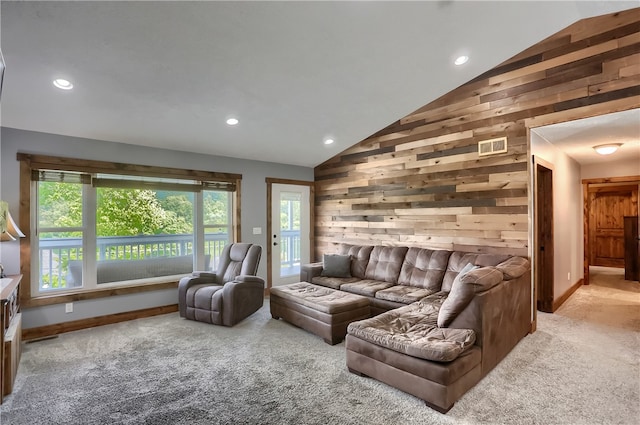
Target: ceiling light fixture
column 607, row 149
column 328, row 141
column 232, row 121
column 63, row 84
column 461, row 60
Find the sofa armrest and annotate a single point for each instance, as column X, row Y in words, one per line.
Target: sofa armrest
column 309, row 271
column 500, row 316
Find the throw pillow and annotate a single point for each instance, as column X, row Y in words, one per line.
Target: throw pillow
column 335, row 265
column 458, row 298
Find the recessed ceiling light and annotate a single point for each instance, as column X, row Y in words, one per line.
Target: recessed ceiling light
column 63, row 84
column 607, row 149
column 461, row 60
column 232, row 121
column 328, row 141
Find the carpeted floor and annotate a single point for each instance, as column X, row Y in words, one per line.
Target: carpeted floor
column 580, row 367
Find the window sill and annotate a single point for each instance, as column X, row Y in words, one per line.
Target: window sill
column 98, row 293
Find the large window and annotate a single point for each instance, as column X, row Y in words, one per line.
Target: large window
column 97, row 230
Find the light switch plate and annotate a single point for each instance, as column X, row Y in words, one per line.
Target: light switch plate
column 257, row 230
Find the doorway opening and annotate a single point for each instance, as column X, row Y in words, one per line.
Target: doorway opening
column 566, row 139
column 610, row 205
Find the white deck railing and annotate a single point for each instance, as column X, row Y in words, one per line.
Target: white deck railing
column 56, row 253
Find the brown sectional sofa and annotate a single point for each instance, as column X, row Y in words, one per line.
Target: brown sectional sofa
column 441, row 320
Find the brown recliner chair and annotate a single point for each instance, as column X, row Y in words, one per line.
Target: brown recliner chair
column 230, row 294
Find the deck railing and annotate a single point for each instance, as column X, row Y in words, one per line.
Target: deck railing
column 56, row 253
column 290, row 251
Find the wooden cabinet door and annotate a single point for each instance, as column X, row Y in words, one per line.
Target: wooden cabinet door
column 609, row 206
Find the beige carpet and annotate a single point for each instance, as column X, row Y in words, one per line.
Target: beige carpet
column 580, row 367
column 607, row 300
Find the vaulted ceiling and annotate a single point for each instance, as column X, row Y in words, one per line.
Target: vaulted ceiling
column 168, row 74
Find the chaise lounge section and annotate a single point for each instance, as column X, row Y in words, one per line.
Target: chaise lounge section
column 441, row 320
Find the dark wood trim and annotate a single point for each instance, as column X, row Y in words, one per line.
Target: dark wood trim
column 272, row 180
column 24, row 222
column 585, row 220
column 75, row 325
column 93, row 166
column 237, row 219
column 269, row 247
column 612, row 187
column 98, row 293
column 601, row 180
column 28, row 162
column 564, row 297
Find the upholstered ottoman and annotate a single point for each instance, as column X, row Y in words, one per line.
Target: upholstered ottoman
column 322, row 311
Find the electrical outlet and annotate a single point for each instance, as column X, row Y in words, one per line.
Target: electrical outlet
column 569, row 276
column 68, row 308
column 257, row 230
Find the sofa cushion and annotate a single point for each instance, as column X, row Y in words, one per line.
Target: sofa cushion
column 333, row 282
column 412, row 330
column 385, row 263
column 424, row 268
column 436, row 299
column 367, row 287
column 335, row 265
column 359, row 258
column 514, row 267
column 471, row 280
column 403, row 294
column 457, row 261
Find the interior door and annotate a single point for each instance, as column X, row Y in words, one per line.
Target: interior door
column 290, row 232
column 544, row 267
column 609, row 206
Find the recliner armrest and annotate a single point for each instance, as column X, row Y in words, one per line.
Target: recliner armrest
column 209, row 275
column 249, row 278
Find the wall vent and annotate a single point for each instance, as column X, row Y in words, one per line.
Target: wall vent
column 492, row 146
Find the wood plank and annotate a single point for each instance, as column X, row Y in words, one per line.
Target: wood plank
column 600, row 24
column 557, row 61
column 419, row 180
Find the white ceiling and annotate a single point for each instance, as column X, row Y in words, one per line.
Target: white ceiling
column 168, row 74
column 577, row 138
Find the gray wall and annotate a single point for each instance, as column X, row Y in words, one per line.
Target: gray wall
column 254, row 204
column 568, row 239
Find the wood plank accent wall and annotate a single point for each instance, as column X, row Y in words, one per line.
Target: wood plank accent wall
column 420, row 181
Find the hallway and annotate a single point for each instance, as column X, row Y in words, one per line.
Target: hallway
column 607, row 300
